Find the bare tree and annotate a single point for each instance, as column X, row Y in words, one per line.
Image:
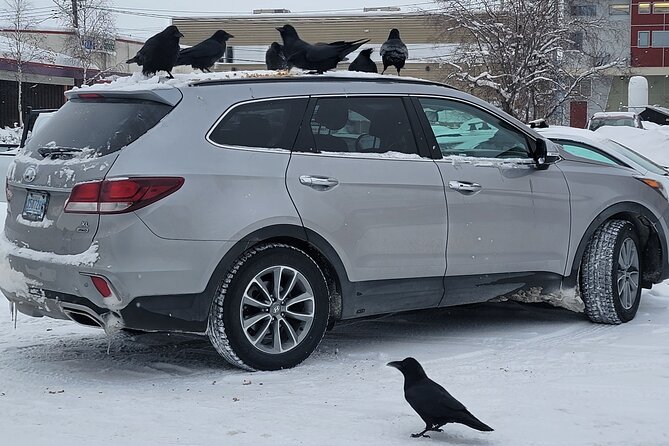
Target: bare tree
column 528, row 56
column 93, row 32
column 23, row 45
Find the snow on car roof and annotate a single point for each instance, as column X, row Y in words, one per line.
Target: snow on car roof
column 564, row 132
column 139, row 82
column 619, row 114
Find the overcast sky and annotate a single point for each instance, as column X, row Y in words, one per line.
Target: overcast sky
column 142, row 26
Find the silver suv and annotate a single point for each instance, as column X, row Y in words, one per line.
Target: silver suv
column 260, row 210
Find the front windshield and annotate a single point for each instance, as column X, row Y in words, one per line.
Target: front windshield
column 618, row 122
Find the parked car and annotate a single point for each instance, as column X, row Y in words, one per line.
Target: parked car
column 261, row 210
column 596, row 147
column 626, row 119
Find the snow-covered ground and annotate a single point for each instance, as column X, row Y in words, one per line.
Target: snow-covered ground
column 536, row 374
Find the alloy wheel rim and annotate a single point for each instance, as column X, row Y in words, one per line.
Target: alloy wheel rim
column 277, row 309
column 628, row 273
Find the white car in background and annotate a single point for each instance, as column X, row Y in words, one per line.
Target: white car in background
column 616, row 119
column 595, row 147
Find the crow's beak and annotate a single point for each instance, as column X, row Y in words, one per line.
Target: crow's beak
column 230, row 36
column 179, row 35
column 394, row 364
column 279, row 29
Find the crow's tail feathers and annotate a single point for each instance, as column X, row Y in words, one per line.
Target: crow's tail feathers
column 355, row 45
column 473, row 422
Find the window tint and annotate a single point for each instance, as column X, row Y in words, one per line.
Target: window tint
column 362, row 125
column 266, row 124
column 587, row 153
column 462, row 129
column 102, row 125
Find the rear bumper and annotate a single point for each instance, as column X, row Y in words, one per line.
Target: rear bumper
column 157, row 284
column 182, row 313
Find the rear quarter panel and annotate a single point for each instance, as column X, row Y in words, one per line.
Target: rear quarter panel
column 228, row 192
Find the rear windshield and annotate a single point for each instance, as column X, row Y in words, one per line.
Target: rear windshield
column 102, row 126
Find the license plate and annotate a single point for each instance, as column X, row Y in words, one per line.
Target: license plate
column 35, row 206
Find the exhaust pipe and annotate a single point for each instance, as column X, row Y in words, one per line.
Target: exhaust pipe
column 82, row 315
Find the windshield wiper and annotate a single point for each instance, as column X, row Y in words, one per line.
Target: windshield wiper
column 48, row 151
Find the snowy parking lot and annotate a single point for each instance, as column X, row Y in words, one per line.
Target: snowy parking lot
column 537, row 375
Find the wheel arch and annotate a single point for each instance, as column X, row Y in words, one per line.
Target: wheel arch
column 302, row 238
column 651, row 236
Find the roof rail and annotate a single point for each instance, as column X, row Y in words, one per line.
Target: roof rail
column 321, row 78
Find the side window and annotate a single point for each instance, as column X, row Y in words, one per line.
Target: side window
column 587, row 152
column 359, row 125
column 461, row 129
column 266, row 124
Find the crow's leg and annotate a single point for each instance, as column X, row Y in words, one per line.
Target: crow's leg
column 170, row 75
column 422, row 434
column 398, row 71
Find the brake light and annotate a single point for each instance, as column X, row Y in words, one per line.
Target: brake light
column 120, row 195
column 90, row 96
column 102, row 286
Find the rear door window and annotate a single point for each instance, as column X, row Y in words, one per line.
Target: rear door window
column 269, row 124
column 102, row 126
column 359, row 125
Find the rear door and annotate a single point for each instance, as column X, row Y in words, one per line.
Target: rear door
column 358, row 179
column 79, row 143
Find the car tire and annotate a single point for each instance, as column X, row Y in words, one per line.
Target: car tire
column 249, row 310
column 610, row 276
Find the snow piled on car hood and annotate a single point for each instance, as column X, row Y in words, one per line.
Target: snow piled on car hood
column 139, row 82
column 652, row 143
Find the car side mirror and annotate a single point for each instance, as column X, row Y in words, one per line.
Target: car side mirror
column 542, row 157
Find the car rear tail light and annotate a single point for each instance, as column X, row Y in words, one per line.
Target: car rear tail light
column 120, row 195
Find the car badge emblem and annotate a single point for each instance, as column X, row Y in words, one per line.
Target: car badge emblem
column 30, row 174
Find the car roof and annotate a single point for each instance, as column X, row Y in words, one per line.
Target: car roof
column 573, row 133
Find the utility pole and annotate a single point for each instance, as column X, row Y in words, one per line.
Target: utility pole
column 75, row 14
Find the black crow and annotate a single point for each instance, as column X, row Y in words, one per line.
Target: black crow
column 159, row 52
column 205, row 54
column 431, row 401
column 274, row 57
column 363, row 62
column 394, row 52
column 319, row 57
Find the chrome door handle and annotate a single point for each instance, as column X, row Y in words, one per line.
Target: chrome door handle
column 464, row 186
column 317, row 182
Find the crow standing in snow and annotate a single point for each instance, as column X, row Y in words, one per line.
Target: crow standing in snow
column 320, row 57
column 394, row 52
column 364, row 62
column 274, row 57
column 205, row 54
column 160, row 52
column 431, row 401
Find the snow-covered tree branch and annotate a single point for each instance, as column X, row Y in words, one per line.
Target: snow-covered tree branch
column 528, row 56
column 21, row 45
column 93, row 32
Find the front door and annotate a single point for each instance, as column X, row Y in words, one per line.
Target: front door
column 505, row 216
